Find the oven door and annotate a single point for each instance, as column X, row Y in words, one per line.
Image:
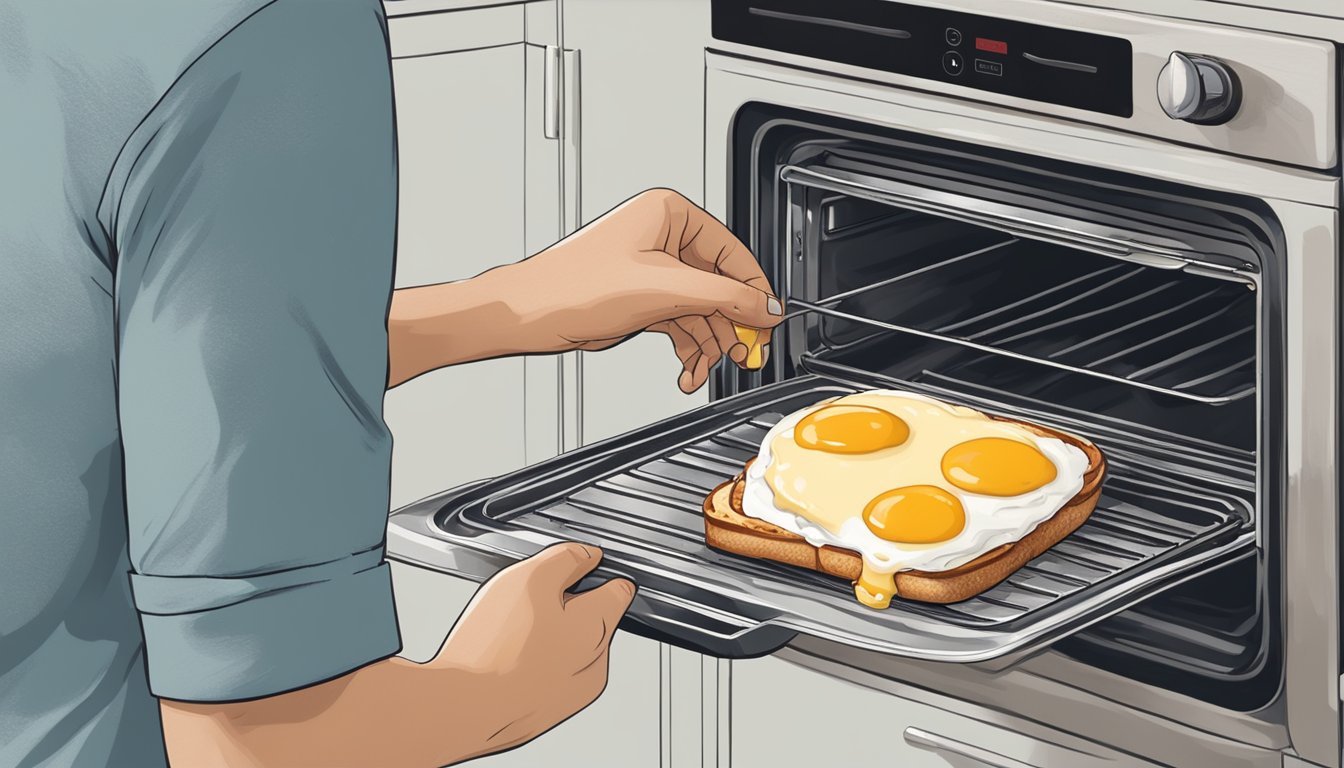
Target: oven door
column 1294, row 473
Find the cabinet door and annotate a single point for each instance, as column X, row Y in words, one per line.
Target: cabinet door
column 460, row 85
column 481, row 163
column 642, row 102
column 786, row 714
column 460, row 140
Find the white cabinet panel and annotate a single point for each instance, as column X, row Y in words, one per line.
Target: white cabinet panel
column 480, row 186
column 460, row 129
column 636, row 123
column 786, row 714
column 641, row 99
column 453, row 426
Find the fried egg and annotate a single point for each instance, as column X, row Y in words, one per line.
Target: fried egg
column 908, row 482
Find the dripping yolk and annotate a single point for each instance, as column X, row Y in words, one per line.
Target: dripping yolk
column 997, row 466
column 850, row 429
column 915, row 514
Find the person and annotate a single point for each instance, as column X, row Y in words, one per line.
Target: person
column 197, row 229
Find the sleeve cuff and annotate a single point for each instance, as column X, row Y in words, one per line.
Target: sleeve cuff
column 228, row 639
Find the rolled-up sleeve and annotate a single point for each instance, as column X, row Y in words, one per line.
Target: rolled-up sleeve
column 253, row 214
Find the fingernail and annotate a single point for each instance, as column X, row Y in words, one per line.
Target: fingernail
column 587, row 550
column 773, row 306
column 629, row 587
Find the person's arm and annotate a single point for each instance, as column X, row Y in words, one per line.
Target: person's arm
column 656, row 262
column 253, row 214
column 523, row 657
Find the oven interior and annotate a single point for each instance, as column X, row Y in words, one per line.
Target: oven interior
column 1143, row 315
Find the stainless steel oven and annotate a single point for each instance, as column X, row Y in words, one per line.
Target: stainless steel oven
column 1096, row 264
column 1121, row 225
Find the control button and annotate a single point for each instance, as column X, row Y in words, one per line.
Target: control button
column 1198, row 89
column 953, row 36
column 987, row 67
column 953, row 64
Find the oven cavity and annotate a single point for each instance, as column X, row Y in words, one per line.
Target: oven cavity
column 1134, row 315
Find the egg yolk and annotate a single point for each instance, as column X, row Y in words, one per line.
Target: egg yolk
column 915, row 514
column 850, row 429
column 997, row 466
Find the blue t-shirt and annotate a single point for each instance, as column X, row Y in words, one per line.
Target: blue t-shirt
column 197, row 228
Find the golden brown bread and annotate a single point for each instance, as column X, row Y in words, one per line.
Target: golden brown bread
column 728, row 529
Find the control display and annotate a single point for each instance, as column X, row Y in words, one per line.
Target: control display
column 992, row 46
column 1056, row 66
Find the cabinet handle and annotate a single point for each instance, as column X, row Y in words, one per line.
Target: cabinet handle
column 551, row 92
column 918, row 737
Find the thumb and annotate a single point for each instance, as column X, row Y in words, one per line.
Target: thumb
column 705, row 293
column 609, row 602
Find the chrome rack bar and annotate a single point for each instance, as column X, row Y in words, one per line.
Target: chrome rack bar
column 1235, row 466
column 1161, row 253
column 839, row 297
column 802, row 307
column 1058, row 307
column 1127, row 327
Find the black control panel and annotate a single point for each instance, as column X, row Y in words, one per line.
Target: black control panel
column 1057, row 66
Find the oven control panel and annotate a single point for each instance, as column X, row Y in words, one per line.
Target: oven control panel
column 1069, row 68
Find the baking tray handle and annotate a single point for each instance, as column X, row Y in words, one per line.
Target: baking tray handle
column 415, row 538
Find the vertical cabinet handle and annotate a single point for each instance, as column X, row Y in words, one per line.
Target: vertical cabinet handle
column 551, row 92
column 918, row 737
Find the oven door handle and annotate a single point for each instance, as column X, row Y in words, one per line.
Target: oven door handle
column 933, row 742
column 1162, row 253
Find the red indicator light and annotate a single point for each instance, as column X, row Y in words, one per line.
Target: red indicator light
column 993, row 46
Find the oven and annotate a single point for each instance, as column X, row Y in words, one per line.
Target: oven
column 1119, row 225
column 1093, row 264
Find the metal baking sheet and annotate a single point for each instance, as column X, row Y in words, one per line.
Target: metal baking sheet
column 638, row 496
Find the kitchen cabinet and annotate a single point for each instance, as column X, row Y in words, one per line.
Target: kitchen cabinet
column 786, row 714
column 636, row 120
column 483, row 146
column 460, row 133
column 641, row 109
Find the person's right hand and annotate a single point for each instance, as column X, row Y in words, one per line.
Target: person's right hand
column 542, row 651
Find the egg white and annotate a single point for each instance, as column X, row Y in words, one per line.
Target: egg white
column 991, row 521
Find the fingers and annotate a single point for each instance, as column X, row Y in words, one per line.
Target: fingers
column 688, row 351
column 728, row 338
column 696, row 371
column 705, row 293
column 701, row 241
column 694, row 376
column 560, row 566
column 698, row 328
column 709, row 245
column 605, row 604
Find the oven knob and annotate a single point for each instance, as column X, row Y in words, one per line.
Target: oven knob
column 1198, row 89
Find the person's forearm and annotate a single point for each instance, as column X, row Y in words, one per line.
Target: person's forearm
column 391, row 713
column 433, row 326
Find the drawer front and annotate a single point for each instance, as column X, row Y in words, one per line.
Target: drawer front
column 783, row 714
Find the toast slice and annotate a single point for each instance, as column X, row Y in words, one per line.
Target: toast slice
column 729, row 530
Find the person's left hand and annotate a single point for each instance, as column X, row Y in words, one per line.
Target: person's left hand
column 657, row 262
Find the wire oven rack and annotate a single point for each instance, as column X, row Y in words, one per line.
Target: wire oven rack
column 638, row 496
column 1190, row 338
column 1059, row 285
